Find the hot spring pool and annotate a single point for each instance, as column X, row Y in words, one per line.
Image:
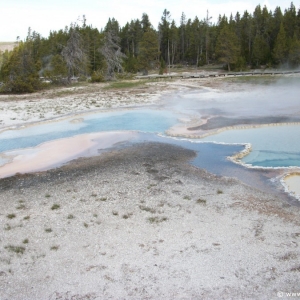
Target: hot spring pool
column 153, row 121
column 272, row 146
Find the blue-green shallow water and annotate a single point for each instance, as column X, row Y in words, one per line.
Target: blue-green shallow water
column 141, row 120
column 273, row 146
column 213, row 158
column 210, row 156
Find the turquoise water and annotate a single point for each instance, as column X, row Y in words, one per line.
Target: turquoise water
column 273, row 146
column 211, row 157
column 149, row 123
column 153, row 121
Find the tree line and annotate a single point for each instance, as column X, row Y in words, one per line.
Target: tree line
column 251, row 40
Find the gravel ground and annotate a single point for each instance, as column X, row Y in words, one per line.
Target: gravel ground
column 16, row 110
column 141, row 223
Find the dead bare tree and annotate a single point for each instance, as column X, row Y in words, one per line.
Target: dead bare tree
column 207, row 41
column 74, row 53
column 112, row 54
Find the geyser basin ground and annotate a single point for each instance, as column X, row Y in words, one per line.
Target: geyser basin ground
column 279, row 149
column 71, row 144
column 141, row 222
column 185, row 105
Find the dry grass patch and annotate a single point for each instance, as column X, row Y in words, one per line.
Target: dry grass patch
column 15, row 249
column 55, row 206
column 201, row 201
column 11, row 216
column 147, row 209
column 157, row 219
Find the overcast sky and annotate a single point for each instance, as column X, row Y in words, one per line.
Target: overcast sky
column 16, row 16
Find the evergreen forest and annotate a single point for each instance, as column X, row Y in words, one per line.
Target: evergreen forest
column 263, row 38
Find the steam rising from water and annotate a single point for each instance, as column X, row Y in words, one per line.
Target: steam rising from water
column 248, row 100
column 248, row 105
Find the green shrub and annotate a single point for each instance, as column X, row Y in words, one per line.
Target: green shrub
column 201, row 201
column 97, row 76
column 15, row 249
column 55, row 206
column 157, row 219
column 11, row 216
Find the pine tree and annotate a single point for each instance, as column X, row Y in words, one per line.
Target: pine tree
column 260, row 51
column 149, row 53
column 146, row 24
column 246, row 36
column 294, row 52
column 228, row 49
column 280, row 50
column 182, row 33
column 276, row 21
column 290, row 21
column 19, row 71
column 164, row 34
column 57, row 69
column 174, row 40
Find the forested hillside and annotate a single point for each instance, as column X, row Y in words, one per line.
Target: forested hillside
column 246, row 40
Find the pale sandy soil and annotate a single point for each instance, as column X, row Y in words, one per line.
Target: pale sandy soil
column 138, row 223
column 141, row 223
